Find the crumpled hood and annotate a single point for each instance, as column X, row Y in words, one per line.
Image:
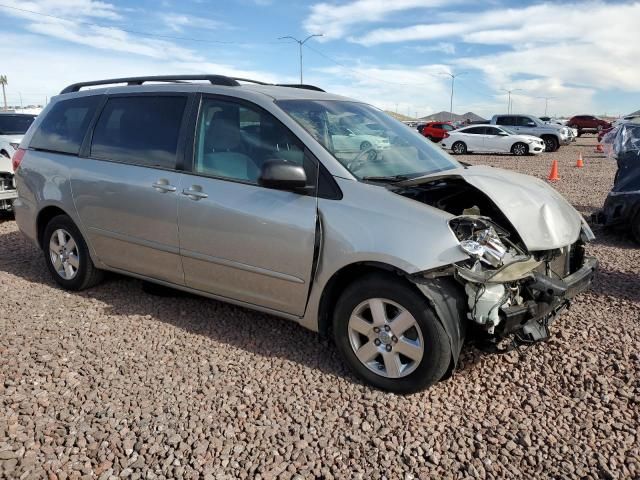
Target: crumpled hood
column 543, row 218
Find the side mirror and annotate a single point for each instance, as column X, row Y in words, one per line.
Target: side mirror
column 281, row 175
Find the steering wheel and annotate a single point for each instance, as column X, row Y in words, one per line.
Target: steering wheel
column 358, row 162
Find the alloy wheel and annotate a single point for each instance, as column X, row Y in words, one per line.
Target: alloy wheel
column 385, row 337
column 64, row 254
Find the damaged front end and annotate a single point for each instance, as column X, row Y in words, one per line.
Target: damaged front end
column 510, row 291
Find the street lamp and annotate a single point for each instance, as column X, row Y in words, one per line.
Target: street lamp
column 300, row 44
column 546, row 103
column 509, row 100
column 453, row 79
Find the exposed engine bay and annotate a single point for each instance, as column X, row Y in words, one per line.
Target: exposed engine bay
column 511, row 292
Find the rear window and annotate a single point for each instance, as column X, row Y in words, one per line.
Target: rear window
column 139, row 130
column 15, row 124
column 64, row 127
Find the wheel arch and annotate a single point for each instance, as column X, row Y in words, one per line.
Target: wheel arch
column 44, row 217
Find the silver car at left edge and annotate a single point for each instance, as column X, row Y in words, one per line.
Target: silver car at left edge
column 235, row 190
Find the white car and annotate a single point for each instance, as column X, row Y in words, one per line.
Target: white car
column 353, row 139
column 491, row 138
column 12, row 127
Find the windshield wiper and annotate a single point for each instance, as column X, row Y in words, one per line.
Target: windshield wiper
column 390, row 178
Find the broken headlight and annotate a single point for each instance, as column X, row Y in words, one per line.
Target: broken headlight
column 479, row 238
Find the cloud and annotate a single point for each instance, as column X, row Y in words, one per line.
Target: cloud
column 334, row 21
column 420, row 89
column 441, row 47
column 178, row 21
column 78, row 9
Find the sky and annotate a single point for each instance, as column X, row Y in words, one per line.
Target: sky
column 571, row 57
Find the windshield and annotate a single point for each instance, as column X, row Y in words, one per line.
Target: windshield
column 15, row 124
column 367, row 141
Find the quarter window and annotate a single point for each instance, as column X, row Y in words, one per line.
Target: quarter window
column 139, row 130
column 63, row 128
column 235, row 140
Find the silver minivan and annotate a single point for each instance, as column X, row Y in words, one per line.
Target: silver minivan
column 306, row 205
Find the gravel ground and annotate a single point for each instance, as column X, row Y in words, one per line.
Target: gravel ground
column 113, row 382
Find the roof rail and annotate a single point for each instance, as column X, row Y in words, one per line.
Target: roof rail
column 213, row 79
column 300, row 85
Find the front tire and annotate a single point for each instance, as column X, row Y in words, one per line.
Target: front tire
column 365, row 146
column 635, row 227
column 459, row 148
column 67, row 255
column 389, row 336
column 519, row 149
column 551, row 144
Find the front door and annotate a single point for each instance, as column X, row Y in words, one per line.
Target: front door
column 237, row 239
column 126, row 193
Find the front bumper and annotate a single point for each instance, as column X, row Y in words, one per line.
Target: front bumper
column 533, row 317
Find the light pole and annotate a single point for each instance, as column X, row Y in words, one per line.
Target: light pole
column 509, row 92
column 546, row 103
column 453, row 80
column 300, row 44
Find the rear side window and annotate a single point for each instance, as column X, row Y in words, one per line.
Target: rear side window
column 139, row 130
column 64, row 127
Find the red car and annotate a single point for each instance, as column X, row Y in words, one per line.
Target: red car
column 436, row 131
column 587, row 123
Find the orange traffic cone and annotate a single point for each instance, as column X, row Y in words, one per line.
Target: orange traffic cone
column 553, row 175
column 599, row 148
column 580, row 163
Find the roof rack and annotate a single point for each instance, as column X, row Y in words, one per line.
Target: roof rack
column 300, row 85
column 213, row 79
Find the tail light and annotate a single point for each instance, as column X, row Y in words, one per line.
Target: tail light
column 446, row 135
column 17, row 158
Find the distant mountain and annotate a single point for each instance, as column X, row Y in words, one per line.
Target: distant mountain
column 448, row 116
column 399, row 116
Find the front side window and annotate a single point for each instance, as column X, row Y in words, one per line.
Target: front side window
column 524, row 121
column 65, row 125
column 15, row 124
column 234, row 140
column 139, row 130
column 492, row 131
column 377, row 145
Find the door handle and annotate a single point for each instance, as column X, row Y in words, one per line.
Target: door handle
column 163, row 186
column 194, row 193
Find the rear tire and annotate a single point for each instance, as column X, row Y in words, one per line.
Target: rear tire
column 418, row 333
column 519, row 149
column 459, row 148
column 67, row 255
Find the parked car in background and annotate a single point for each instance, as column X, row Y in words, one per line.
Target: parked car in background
column 12, row 127
column 436, row 131
column 396, row 255
column 356, row 138
column 552, row 135
column 490, row 138
column 587, row 124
